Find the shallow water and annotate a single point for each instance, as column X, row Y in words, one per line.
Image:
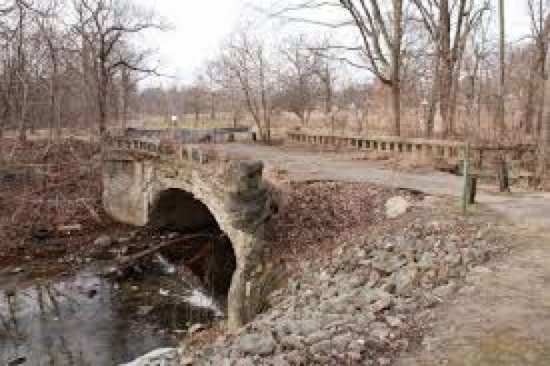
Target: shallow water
column 88, row 320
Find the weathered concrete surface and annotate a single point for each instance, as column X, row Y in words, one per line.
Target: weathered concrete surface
column 234, row 194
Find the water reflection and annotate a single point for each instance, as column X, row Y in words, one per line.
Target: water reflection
column 90, row 321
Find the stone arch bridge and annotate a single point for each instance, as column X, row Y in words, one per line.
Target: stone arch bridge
column 187, row 188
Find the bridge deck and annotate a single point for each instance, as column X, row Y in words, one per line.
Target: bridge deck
column 521, row 207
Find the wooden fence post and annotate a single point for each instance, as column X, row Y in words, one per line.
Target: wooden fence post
column 502, row 174
column 466, row 189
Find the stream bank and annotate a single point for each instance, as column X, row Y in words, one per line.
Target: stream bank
column 368, row 299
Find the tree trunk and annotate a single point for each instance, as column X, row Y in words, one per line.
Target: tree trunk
column 396, row 66
column 529, row 112
column 125, row 98
column 446, row 64
column 103, row 96
column 432, row 107
column 543, row 77
column 213, row 107
column 544, row 146
column 502, row 76
column 328, row 91
column 396, row 108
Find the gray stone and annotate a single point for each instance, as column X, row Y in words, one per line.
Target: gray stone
column 356, row 282
column 394, row 322
column 404, row 280
column 380, row 332
column 245, row 362
column 318, row 336
column 304, row 327
column 443, row 292
column 295, row 358
column 453, row 259
column 341, row 342
column 381, row 304
column 323, row 347
column 357, row 346
column 103, row 241
column 396, row 206
column 375, row 295
column 387, row 262
column 428, row 260
column 292, row 341
column 256, row 344
column 354, row 356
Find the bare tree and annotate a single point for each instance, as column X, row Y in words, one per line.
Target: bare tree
column 197, row 97
column 381, row 38
column 16, row 78
column 449, row 26
column 53, row 38
column 382, row 46
column 299, row 80
column 211, row 83
column 539, row 11
column 246, row 62
column 501, row 111
column 105, row 27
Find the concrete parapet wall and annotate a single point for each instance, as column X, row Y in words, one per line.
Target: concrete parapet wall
column 427, row 147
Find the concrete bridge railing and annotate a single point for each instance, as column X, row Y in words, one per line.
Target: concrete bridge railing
column 140, row 179
column 155, row 149
column 426, row 147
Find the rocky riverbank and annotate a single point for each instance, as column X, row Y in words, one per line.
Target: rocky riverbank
column 367, row 301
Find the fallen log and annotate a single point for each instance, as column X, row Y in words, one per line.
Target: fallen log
column 183, row 269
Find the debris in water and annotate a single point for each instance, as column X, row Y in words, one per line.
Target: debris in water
column 18, row 361
column 199, row 299
column 144, row 310
column 164, row 265
column 196, row 328
column 40, row 234
column 160, row 356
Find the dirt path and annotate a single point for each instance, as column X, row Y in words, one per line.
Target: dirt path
column 502, row 316
column 531, row 209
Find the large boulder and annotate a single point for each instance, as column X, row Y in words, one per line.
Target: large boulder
column 396, row 206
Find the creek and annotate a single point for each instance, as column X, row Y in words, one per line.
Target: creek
column 88, row 319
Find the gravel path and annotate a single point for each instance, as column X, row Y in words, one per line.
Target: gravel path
column 500, row 317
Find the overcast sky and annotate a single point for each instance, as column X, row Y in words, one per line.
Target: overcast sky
column 198, row 28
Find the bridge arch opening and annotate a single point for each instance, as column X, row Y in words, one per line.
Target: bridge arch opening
column 210, row 257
